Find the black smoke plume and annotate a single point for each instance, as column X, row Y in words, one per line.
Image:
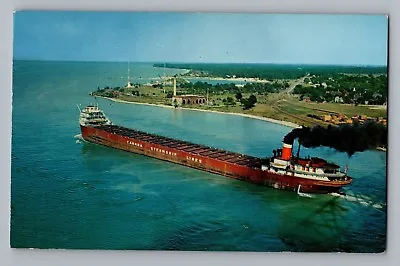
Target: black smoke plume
column 344, row 138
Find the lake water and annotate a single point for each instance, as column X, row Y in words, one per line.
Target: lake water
column 69, row 194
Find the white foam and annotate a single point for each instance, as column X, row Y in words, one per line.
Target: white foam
column 79, row 138
column 377, row 206
column 305, row 195
column 361, row 199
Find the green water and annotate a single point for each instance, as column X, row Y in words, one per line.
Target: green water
column 69, row 194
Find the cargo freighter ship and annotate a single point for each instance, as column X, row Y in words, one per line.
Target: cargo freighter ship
column 281, row 171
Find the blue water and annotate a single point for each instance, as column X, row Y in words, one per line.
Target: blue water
column 69, row 194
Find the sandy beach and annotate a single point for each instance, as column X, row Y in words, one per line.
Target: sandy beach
column 190, row 78
column 270, row 120
column 254, row 80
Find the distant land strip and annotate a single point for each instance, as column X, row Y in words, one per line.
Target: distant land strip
column 269, row 71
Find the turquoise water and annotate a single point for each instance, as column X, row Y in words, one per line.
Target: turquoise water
column 69, row 194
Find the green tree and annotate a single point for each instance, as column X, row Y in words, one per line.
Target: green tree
column 249, row 103
column 253, row 99
column 230, row 101
column 286, row 85
column 238, row 95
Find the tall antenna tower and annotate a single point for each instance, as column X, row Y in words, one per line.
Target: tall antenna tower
column 164, row 78
column 174, row 86
column 129, row 76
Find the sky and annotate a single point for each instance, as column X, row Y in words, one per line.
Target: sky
column 201, row 37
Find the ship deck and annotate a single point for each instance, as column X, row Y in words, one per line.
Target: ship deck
column 202, row 150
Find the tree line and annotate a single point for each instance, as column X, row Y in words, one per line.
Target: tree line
column 259, row 88
column 355, row 89
column 271, row 71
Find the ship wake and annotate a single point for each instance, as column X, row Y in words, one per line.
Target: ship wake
column 301, row 194
column 79, row 138
column 360, row 199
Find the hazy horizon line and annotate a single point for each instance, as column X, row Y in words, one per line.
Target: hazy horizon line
column 177, row 62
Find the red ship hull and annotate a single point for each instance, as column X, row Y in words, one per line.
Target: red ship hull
column 241, row 167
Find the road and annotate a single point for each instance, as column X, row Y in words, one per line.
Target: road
column 286, row 96
column 297, row 82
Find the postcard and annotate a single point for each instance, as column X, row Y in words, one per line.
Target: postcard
column 199, row 131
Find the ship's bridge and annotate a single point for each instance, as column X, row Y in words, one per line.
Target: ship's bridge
column 92, row 115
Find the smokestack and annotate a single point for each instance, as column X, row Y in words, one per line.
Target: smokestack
column 286, row 151
column 174, row 86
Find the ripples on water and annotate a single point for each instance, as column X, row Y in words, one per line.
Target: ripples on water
column 72, row 194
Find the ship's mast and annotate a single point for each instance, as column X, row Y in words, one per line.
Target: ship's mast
column 96, row 103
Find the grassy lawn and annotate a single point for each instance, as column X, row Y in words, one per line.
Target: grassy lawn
column 281, row 106
column 347, row 109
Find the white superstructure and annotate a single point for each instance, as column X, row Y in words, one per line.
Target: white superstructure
column 92, row 115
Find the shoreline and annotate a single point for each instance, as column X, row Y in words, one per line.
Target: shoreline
column 266, row 119
column 233, row 79
column 243, row 80
column 246, row 80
